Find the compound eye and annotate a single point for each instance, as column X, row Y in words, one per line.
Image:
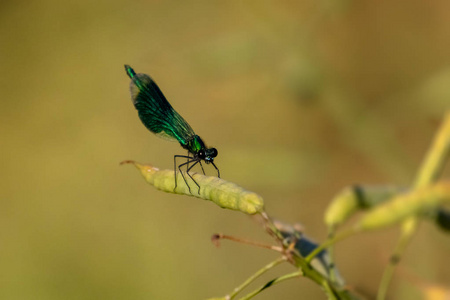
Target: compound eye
column 214, row 152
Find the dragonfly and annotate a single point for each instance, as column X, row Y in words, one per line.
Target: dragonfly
column 159, row 117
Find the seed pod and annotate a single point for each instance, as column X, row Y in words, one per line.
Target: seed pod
column 354, row 198
column 223, row 193
column 420, row 201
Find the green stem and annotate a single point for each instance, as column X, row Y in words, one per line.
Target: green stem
column 303, row 265
column 271, row 283
column 395, row 257
column 256, row 275
column 338, row 237
column 429, row 172
column 271, row 226
column 436, row 157
column 332, row 265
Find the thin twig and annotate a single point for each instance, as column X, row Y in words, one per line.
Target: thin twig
column 271, row 228
column 219, row 236
column 256, row 275
column 429, row 172
column 388, row 273
column 271, row 283
column 338, row 237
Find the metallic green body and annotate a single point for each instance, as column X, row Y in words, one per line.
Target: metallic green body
column 158, row 116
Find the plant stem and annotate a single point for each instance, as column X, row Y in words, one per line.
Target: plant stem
column 338, row 237
column 272, row 282
column 436, row 157
column 272, row 229
column 429, row 172
column 395, row 257
column 256, row 275
column 221, row 236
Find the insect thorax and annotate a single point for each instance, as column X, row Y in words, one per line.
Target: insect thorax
column 194, row 144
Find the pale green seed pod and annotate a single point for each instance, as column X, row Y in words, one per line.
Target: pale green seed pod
column 223, row 193
column 355, row 198
column 417, row 202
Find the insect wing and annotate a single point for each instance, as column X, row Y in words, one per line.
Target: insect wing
column 155, row 111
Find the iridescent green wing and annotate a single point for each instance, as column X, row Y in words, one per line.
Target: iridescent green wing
column 155, row 111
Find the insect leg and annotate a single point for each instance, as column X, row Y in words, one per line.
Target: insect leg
column 218, row 172
column 179, row 168
column 175, row 169
column 187, row 161
column 196, row 162
column 184, row 178
column 202, row 167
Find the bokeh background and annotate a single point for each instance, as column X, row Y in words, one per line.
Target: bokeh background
column 301, row 98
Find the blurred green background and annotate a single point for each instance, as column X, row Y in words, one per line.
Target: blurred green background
column 301, row 98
